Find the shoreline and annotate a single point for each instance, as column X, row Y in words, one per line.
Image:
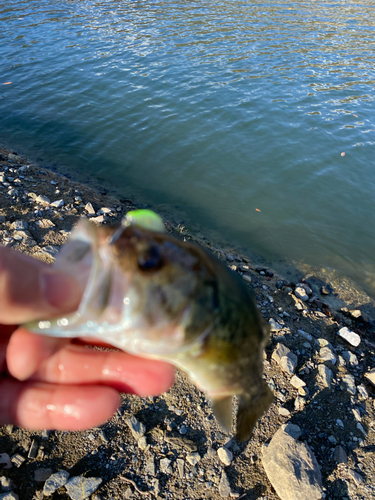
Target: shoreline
column 37, row 211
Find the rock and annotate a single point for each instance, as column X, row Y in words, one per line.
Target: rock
column 275, row 327
column 300, row 293
column 43, row 200
column 193, row 458
column 142, row 443
column 349, row 381
column 224, row 486
column 370, row 376
column 19, row 225
column 55, row 481
column 292, row 468
column 362, row 392
column 324, row 290
column 150, row 466
column 327, row 355
column 165, row 465
column 181, row 468
column 5, row 459
column 247, row 278
column 350, row 358
column 353, row 338
column 358, row 479
column 33, row 450
column 137, row 428
column 297, row 382
column 292, row 429
column 41, row 475
column 284, row 412
column 289, row 363
column 98, row 220
column 360, row 428
column 225, row 455
column 104, row 210
column 299, row 403
column 17, row 460
column 6, row 484
column 44, row 223
column 50, row 250
column 326, row 375
column 58, row 203
column 89, row 208
column 9, row 496
column 340, row 455
column 230, row 257
column 80, row 487
column 356, row 414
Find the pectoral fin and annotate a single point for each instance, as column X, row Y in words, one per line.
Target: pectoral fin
column 222, row 408
column 250, row 409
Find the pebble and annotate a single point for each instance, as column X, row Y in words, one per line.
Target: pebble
column 137, row 428
column 150, row 466
column 224, row 486
column 98, row 220
column 327, row 355
column 275, row 327
column 142, row 443
column 289, row 363
column 10, row 495
column 292, row 468
column 362, row 392
column 284, row 412
column 340, row 455
column 181, row 467
column 17, row 460
column 55, row 481
column 104, row 210
column 350, row 358
column 326, row 375
column 225, row 455
column 89, row 208
column 183, row 430
column 5, row 459
column 6, row 484
column 44, row 223
column 353, row 338
column 57, row 203
column 41, row 475
column 300, row 293
column 349, row 381
column 80, row 487
column 371, row 376
column 165, row 465
column 293, row 430
column 193, row 458
column 43, row 200
column 297, row 382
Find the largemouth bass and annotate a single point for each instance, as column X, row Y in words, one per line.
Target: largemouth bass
column 152, row 295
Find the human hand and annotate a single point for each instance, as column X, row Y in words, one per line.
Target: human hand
column 53, row 383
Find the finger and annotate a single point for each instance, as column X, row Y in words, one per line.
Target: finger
column 34, row 405
column 60, row 362
column 31, row 290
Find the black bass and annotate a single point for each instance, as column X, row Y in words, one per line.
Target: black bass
column 152, row 295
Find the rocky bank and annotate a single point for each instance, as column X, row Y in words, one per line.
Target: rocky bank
column 316, row 441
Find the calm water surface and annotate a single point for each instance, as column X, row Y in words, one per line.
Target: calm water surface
column 208, row 110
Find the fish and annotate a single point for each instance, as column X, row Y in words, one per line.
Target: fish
column 153, row 295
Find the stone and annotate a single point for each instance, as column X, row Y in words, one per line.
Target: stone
column 5, row 461
column 150, row 466
column 340, row 455
column 350, row 358
column 2, row 218
column 50, row 250
column 225, row 490
column 284, row 412
column 247, row 278
column 181, row 467
column 33, row 450
column 6, row 484
column 44, row 223
column 57, row 203
column 292, row 468
column 349, row 381
column 43, row 200
column 193, row 458
column 360, row 428
column 358, row 479
column 98, row 220
column 353, row 338
column 142, row 443
column 301, row 294
column 327, row 355
column 297, row 382
column 137, row 428
column 10, row 495
column 299, row 403
column 104, row 210
column 165, row 465
column 356, row 414
column 19, row 225
column 41, row 475
column 225, row 455
column 280, row 351
column 326, row 375
column 289, row 363
column 362, row 392
column 17, row 460
column 55, row 481
column 370, row 376
column 89, row 208
column 80, row 487
column 275, row 327
column 292, row 429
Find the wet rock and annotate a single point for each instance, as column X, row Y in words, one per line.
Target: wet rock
column 9, row 496
column 292, row 468
column 275, row 327
column 137, row 428
column 89, row 208
column 328, row 356
column 370, row 376
column 326, row 375
column 41, row 475
column 43, row 200
column 193, row 458
column 57, row 203
column 19, row 225
column 339, row 455
column 80, row 487
column 55, row 481
column 349, row 381
column 225, row 455
column 353, row 338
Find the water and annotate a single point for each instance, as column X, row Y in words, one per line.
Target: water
column 209, row 111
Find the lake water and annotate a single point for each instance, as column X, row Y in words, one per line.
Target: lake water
column 253, row 122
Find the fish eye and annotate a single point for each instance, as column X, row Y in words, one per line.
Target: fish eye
column 149, row 259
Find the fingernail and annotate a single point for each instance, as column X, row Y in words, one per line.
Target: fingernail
column 61, row 291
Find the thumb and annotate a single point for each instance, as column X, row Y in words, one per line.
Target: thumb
column 31, row 290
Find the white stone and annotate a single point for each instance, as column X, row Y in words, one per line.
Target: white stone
column 225, row 455
column 284, row 412
column 297, row 382
column 137, row 428
column 165, row 465
column 55, row 481
column 58, row 203
column 349, row 381
column 80, row 487
column 326, row 375
column 327, row 355
column 275, row 327
column 193, row 458
column 300, row 293
column 89, row 208
column 371, row 376
column 98, row 220
column 353, row 338
column 362, row 392
column 43, row 200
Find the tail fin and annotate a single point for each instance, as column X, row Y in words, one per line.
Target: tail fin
column 250, row 409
